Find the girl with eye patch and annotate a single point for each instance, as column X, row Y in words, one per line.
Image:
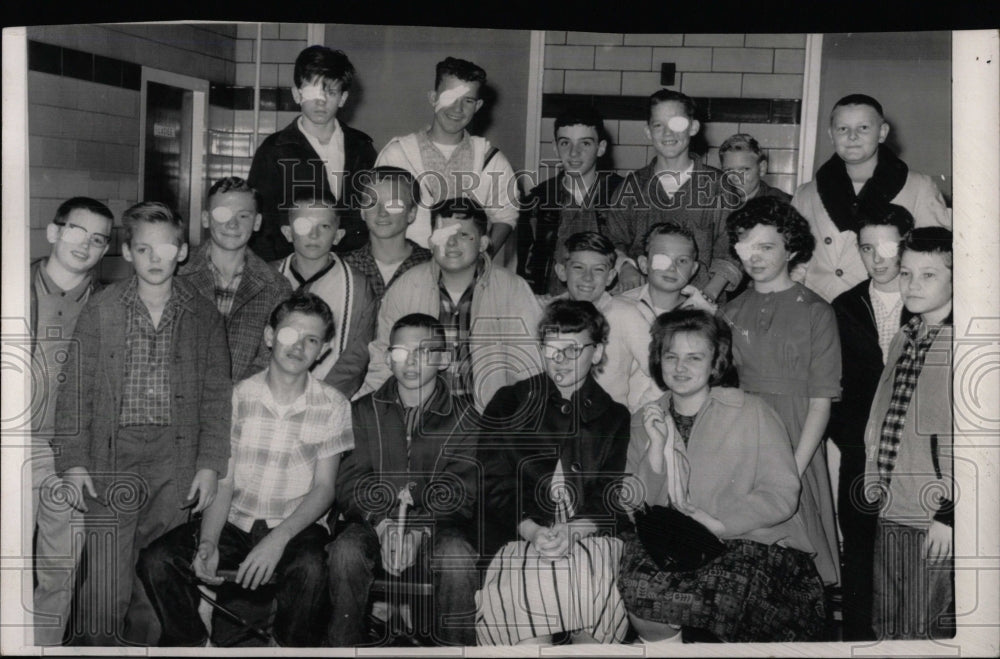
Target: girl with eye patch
column 553, row 453
column 786, row 348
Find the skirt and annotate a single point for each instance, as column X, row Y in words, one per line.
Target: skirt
column 751, row 593
column 526, row 596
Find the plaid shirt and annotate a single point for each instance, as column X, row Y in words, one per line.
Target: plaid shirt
column 225, row 293
column 905, row 383
column 457, row 321
column 275, row 448
column 364, row 262
column 146, row 392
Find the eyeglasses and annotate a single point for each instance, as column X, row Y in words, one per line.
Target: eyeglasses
column 559, row 355
column 433, row 355
column 74, row 233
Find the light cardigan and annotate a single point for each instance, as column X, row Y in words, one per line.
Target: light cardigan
column 836, row 264
column 742, row 468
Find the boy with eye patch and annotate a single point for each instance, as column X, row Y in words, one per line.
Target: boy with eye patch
column 243, row 287
column 317, row 151
column 313, row 229
column 414, row 435
column 268, row 522
column 142, row 421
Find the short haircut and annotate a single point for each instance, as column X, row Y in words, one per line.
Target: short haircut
column 151, row 212
column 668, row 229
column 310, row 197
column 581, row 115
column 590, row 241
column 929, row 240
column 81, row 203
column 695, row 321
column 304, row 303
column 895, row 216
column 568, row 316
column 235, row 184
column 667, row 95
column 459, row 68
column 326, row 64
column 387, row 173
column 419, row 321
column 461, row 208
column 858, row 99
column 771, row 211
column 742, row 142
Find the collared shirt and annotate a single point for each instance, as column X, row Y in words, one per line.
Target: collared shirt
column 887, row 308
column 146, row 391
column 331, row 153
column 457, row 320
column 275, row 448
column 363, row 261
column 225, row 293
column 911, row 361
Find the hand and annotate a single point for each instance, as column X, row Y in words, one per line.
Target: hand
column 395, row 562
column 938, row 544
column 655, row 422
column 206, row 562
column 629, row 276
column 78, row 479
column 697, row 300
column 206, row 485
column 706, row 520
column 258, row 567
column 798, row 273
column 553, row 541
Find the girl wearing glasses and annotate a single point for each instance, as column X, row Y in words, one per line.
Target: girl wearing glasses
column 553, row 455
column 722, row 457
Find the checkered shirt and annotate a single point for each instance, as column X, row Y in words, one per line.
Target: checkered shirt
column 911, row 361
column 886, row 319
column 363, row 261
column 225, row 293
column 457, row 321
column 275, row 449
column 146, row 391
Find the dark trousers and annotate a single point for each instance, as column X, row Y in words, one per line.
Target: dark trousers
column 299, row 588
column 352, row 558
column 857, row 520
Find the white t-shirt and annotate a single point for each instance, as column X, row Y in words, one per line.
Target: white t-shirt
column 445, row 149
column 331, row 153
column 387, row 269
column 671, row 182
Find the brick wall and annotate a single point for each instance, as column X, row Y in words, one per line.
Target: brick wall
column 748, row 66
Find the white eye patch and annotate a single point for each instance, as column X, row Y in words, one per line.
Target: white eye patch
column 678, row 124
column 166, row 251
column 439, row 237
column 287, row 336
column 887, row 249
column 303, row 225
column 449, row 96
column 395, row 206
column 74, row 235
column 660, row 262
column 313, row 92
column 746, row 249
column 222, row 214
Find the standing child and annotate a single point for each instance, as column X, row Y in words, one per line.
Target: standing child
column 744, row 164
column 142, row 420
column 908, row 442
column 289, row 431
column 787, row 351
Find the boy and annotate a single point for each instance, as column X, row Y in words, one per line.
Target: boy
column 289, row 431
column 574, row 200
column 487, row 312
column 908, row 444
column 141, row 420
column 456, row 158
column 243, row 287
column 388, row 207
column 744, row 164
column 61, row 285
column 675, row 187
column 862, row 177
column 414, row 434
column 868, row 316
column 316, row 151
column 313, row 229
column 586, row 272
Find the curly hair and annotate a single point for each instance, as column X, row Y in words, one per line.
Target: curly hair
column 771, row 211
column 693, row 321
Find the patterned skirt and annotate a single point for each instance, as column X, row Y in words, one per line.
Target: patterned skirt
column 525, row 596
column 751, row 593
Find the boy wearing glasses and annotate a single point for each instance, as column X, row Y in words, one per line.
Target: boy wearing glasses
column 60, row 285
column 417, row 438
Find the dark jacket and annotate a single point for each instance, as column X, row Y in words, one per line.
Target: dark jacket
column 441, row 463
column 281, row 164
column 528, row 428
column 862, row 366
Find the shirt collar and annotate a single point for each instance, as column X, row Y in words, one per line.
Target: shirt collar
column 266, row 397
column 77, row 293
column 440, row 402
column 300, row 124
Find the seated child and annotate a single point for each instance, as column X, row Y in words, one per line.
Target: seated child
column 61, row 285
column 486, row 311
column 313, row 229
column 448, row 151
column 413, row 436
column 744, row 164
column 388, row 207
column 908, row 442
column 868, row 317
column 861, row 178
column 243, row 287
column 142, row 420
column 574, row 200
column 316, row 152
column 675, row 187
column 288, row 433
